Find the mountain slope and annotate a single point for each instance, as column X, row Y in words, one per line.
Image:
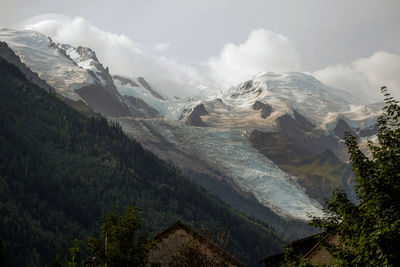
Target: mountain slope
column 60, row 171
column 75, row 73
column 209, row 136
column 231, row 154
column 8, row 55
column 319, row 173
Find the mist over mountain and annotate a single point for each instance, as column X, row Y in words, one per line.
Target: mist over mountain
column 227, row 120
column 220, row 135
column 261, row 51
column 271, row 146
column 61, row 170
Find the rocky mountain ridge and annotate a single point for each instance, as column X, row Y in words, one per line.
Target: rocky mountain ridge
column 223, row 136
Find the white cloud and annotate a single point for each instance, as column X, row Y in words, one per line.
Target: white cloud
column 262, row 51
column 122, row 55
column 162, row 46
column 47, row 26
column 363, row 77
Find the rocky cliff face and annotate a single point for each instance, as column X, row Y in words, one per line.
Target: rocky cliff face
column 276, row 139
column 194, row 118
column 139, row 108
column 74, row 72
column 9, row 55
column 146, row 85
column 265, row 109
column 125, row 81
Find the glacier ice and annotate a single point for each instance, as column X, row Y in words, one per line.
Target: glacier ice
column 230, row 152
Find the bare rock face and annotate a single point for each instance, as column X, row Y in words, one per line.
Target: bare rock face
column 298, row 158
column 86, row 54
column 102, row 95
column 341, row 128
column 265, row 109
column 105, row 98
column 305, row 125
column 200, row 110
column 139, row 108
column 297, row 129
column 244, row 88
column 147, row 86
column 247, row 85
column 125, row 81
column 194, row 118
column 103, row 101
column 368, row 131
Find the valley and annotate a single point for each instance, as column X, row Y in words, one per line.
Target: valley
column 271, row 147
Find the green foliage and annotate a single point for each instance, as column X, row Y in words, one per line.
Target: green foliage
column 293, row 260
column 76, row 255
column 370, row 233
column 60, row 170
column 2, row 256
column 119, row 245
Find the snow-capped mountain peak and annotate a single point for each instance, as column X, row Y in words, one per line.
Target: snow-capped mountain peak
column 36, row 51
column 86, row 58
column 210, row 132
column 285, row 92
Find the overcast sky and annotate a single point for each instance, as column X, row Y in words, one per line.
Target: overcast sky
column 324, row 37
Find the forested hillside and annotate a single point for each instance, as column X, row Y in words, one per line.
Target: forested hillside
column 61, row 171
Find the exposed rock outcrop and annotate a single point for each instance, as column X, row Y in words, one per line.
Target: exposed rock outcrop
column 304, row 124
column 125, row 81
column 139, row 108
column 265, row 109
column 194, row 118
column 368, row 131
column 341, row 128
column 102, row 100
column 147, row 86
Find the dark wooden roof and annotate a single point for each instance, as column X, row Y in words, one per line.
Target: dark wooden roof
column 214, row 247
column 304, row 245
column 300, row 247
column 273, row 260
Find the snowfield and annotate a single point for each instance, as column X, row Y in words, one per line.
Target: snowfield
column 56, row 69
column 229, row 116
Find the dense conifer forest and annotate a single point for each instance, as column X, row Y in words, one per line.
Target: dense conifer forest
column 60, row 171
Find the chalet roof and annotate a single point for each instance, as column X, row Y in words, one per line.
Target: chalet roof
column 217, row 249
column 303, row 245
column 300, row 246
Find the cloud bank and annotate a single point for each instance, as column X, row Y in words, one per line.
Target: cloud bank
column 123, row 55
column 363, row 77
column 262, row 51
column 162, row 46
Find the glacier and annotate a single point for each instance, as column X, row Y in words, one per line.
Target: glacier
column 224, row 143
column 231, row 153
